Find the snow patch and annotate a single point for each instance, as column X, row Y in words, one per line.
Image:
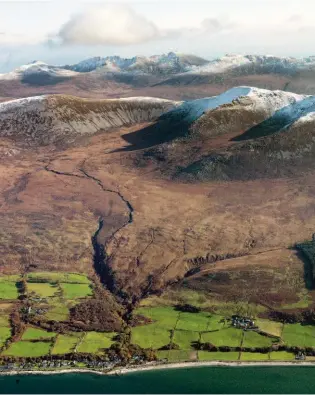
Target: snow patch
column 24, row 103
column 37, row 67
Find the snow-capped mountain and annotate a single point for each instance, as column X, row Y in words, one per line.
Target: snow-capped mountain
column 170, row 68
column 37, row 68
column 170, row 63
column 266, row 62
column 173, row 63
column 61, row 116
column 261, row 100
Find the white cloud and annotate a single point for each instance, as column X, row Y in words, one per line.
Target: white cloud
column 121, row 25
column 112, row 25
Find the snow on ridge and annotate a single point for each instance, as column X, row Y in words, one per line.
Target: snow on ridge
column 232, row 61
column 146, row 99
column 262, row 100
column 20, row 103
column 37, row 67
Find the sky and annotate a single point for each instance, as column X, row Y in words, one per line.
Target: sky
column 66, row 31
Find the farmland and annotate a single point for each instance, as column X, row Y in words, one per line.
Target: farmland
column 28, row 349
column 55, row 293
column 189, row 331
column 94, row 342
column 66, row 343
column 202, row 333
column 47, row 298
column 5, row 334
column 37, row 334
column 8, row 287
column 299, row 335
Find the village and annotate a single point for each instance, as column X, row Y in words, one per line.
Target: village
column 244, row 323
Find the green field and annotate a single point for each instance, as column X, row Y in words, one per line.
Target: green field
column 185, row 338
column 253, row 339
column 174, row 355
column 281, row 356
column 193, row 321
column 66, row 343
column 94, row 342
column 57, row 312
column 150, row 336
column 5, row 310
column 75, row 291
column 37, row 334
column 271, row 327
column 165, row 317
column 299, row 335
column 225, row 337
column 60, row 277
column 217, row 356
column 28, row 349
column 8, row 288
column 11, row 278
column 44, row 290
column 254, row 356
column 5, row 334
column 4, row 320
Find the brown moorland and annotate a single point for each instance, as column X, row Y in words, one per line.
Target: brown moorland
column 86, row 207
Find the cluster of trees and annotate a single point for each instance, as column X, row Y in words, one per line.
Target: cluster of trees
column 17, row 325
column 263, row 350
column 170, row 346
column 22, row 288
column 303, row 317
column 125, row 351
column 187, row 308
column 97, row 315
column 139, row 319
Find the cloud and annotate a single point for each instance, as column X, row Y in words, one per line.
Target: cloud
column 121, row 25
column 111, row 25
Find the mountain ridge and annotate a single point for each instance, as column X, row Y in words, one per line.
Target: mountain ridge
column 167, row 64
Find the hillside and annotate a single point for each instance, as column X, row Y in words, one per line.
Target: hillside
column 43, row 120
column 122, row 215
column 244, row 133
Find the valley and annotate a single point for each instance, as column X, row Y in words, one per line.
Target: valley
column 133, row 230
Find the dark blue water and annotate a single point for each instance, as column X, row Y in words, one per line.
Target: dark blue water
column 219, row 380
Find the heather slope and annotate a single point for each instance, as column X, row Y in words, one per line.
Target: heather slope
column 244, row 133
column 61, row 119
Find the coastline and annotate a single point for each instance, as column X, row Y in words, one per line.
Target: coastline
column 143, row 368
column 181, row 365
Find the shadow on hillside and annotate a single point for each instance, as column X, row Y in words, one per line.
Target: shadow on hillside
column 43, row 79
column 161, row 132
column 281, row 119
column 308, row 271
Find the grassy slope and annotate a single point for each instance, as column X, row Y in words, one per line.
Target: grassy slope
column 28, row 349
column 37, row 334
column 66, row 343
column 94, row 342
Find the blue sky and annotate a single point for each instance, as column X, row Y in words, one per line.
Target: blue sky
column 67, row 31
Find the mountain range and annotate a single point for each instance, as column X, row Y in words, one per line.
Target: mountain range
column 171, row 76
column 167, row 64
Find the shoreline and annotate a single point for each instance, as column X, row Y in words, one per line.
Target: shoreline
column 143, row 368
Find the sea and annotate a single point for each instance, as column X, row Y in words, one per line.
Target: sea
column 196, row 380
